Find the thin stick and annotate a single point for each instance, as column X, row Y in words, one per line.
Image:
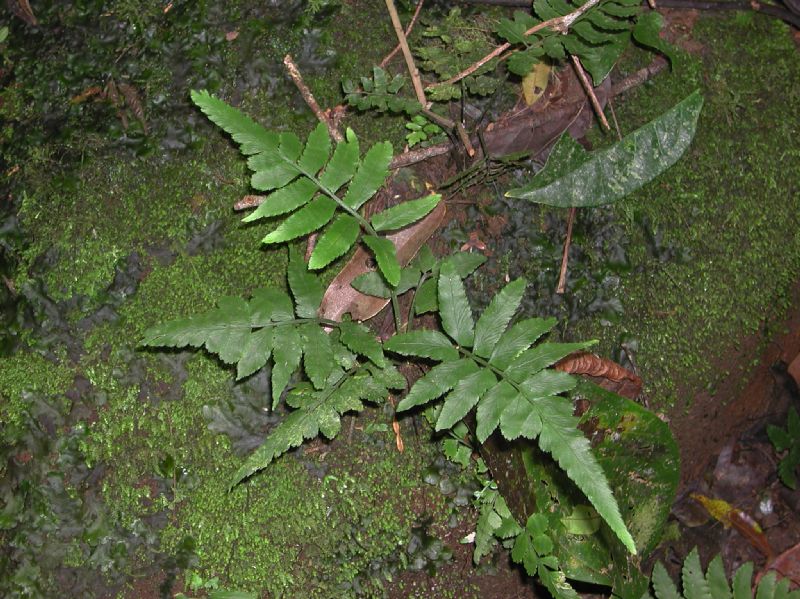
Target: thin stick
column 636, row 79
column 294, row 73
column 587, row 87
column 412, row 68
column 562, row 276
column 559, row 24
column 614, row 118
column 410, row 26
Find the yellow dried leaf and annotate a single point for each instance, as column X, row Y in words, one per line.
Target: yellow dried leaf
column 535, row 82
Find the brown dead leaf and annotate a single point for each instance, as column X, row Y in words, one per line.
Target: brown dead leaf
column 22, row 9
column 610, row 375
column 786, row 565
column 341, row 298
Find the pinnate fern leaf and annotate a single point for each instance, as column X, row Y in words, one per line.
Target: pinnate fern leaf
column 518, row 393
column 714, row 584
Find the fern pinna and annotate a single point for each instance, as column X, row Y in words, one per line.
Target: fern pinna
column 305, row 181
column 344, row 368
column 494, row 367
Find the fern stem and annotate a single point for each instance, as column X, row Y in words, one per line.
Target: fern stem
column 396, row 312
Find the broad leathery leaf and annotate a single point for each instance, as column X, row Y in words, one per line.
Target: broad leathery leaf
column 438, row 381
column 665, row 588
column 317, row 150
column 359, row 339
column 251, row 137
column 423, row 344
column 343, row 164
column 582, row 521
column 269, row 304
column 695, row 585
column 370, row 175
column 548, row 382
column 566, row 443
column 405, row 213
column 318, row 361
column 228, row 339
column 517, row 339
column 306, row 288
column 491, row 407
column 537, row 358
column 287, row 199
column 495, row 318
column 255, row 353
column 287, row 350
column 741, row 581
column 372, row 283
column 463, row 397
column 385, row 256
column 309, row 218
column 334, row 241
column 718, row 580
column 520, row 419
column 608, row 175
column 454, row 309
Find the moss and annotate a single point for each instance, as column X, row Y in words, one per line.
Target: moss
column 726, row 203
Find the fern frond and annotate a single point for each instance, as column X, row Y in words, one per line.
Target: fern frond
column 714, row 584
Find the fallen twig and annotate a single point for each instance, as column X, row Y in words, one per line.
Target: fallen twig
column 562, row 276
column 294, row 73
column 636, row 79
column 587, row 87
column 559, row 24
column 412, row 68
column 409, row 27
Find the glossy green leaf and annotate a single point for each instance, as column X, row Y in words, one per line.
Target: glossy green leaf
column 370, row 175
column 287, row 351
column 309, row 218
column 318, row 360
column 454, row 308
column 495, row 318
column 583, row 520
column 306, row 287
column 270, row 305
column 287, row 199
column 647, row 32
column 359, row 339
column 385, row 256
column 536, row 358
column 464, row 397
column 317, row 150
column 405, row 213
column 491, row 408
column 372, row 283
column 337, row 239
column 436, row 382
column 423, row 344
column 517, row 339
column 574, row 178
column 343, row 163
column 255, row 353
column 251, row 137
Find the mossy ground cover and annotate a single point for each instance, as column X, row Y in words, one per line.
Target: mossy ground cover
column 727, row 211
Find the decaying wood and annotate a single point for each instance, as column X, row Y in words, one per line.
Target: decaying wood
column 341, row 298
column 604, row 372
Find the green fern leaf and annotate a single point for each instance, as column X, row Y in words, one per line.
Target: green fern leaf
column 494, row 320
column 695, row 585
column 454, row 308
column 343, row 164
column 339, row 237
column 548, row 382
column 251, row 137
column 361, row 340
column 287, row 351
column 317, row 150
column 606, row 22
column 423, row 344
column 308, row 219
column 306, row 288
column 741, row 581
column 491, row 408
column 539, row 357
column 385, row 256
column 273, row 170
column 287, row 199
column 405, row 213
column 270, row 305
column 370, row 175
column 255, row 353
column 463, row 397
column 646, row 32
column 566, row 443
column 318, row 360
column 517, row 339
column 663, row 585
column 439, row 380
column 717, row 580
column 519, row 420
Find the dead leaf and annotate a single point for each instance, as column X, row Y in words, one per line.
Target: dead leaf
column 535, row 83
column 341, row 298
column 22, row 9
column 786, row 565
column 231, row 35
column 731, row 516
column 612, row 376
